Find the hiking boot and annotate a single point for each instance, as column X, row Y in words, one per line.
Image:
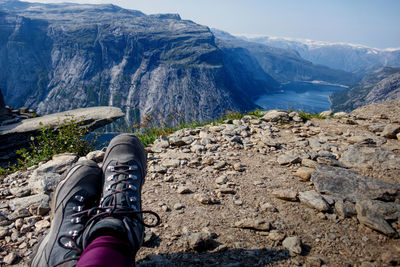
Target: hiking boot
column 74, row 197
column 124, row 171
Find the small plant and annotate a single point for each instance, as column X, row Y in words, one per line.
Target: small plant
column 308, row 116
column 68, row 136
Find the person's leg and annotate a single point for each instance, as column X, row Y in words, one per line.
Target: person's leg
column 120, row 212
column 107, row 251
column 79, row 191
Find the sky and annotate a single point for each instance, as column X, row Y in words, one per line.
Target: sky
column 374, row 23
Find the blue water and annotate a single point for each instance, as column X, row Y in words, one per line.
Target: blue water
column 300, row 96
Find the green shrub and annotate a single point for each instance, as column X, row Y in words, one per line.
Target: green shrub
column 68, row 136
column 308, row 116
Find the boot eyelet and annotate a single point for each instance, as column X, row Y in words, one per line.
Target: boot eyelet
column 133, row 177
column 79, row 198
column 73, row 233
column 132, row 187
column 132, row 199
column 133, row 167
column 76, row 220
column 111, row 168
column 109, row 178
column 77, row 208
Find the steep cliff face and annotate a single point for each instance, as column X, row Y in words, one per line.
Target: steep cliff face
column 62, row 56
column 381, row 85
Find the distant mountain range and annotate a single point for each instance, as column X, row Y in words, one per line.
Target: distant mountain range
column 381, row 85
column 56, row 57
column 343, row 56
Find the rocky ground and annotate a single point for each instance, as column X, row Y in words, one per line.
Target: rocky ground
column 273, row 191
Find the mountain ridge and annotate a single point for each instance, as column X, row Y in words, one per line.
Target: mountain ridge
column 355, row 58
column 380, row 85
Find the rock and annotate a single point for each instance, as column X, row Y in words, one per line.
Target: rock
column 197, row 148
column 293, row 244
column 345, row 209
column 314, row 261
column 162, row 142
column 183, row 190
column 199, row 241
column 309, row 163
column 391, row 130
column 19, row 134
column 288, row 159
column 178, row 206
column 276, row 236
column 171, row 163
column 221, row 180
column 275, row 116
column 326, row 113
column 203, row 199
column 267, row 207
column 19, row 213
column 340, row 115
column 238, row 167
column 288, row 194
column 390, row 258
column 97, row 156
column 20, row 191
column 225, row 191
column 330, row 162
column 3, row 232
column 219, row 165
column 26, row 202
column 43, row 224
column 387, row 210
column 44, row 183
column 304, row 173
column 176, row 141
column 360, row 139
column 270, row 142
column 376, row 223
column 10, row 258
column 348, row 184
column 314, row 200
column 356, row 156
column 255, row 224
column 158, row 169
column 59, row 163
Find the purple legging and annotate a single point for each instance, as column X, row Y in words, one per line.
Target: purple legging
column 106, row 251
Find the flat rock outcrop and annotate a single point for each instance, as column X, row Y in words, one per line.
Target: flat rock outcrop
column 227, row 198
column 17, row 135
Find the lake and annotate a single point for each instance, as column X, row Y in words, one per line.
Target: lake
column 308, row 97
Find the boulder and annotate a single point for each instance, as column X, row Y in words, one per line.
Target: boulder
column 358, row 156
column 314, row 200
column 275, row 116
column 26, row 202
column 391, row 130
column 348, row 184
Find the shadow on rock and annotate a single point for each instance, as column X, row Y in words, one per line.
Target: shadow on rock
column 225, row 257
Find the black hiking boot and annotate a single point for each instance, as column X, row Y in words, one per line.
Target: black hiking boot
column 76, row 196
column 124, row 171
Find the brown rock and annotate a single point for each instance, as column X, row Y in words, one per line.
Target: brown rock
column 304, row 173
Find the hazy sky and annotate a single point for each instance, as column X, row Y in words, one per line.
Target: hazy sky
column 373, row 23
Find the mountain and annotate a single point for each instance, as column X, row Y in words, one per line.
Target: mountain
column 348, row 57
column 284, row 65
column 381, row 85
column 56, row 57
